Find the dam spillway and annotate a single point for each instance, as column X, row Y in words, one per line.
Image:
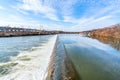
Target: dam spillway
column 27, row 64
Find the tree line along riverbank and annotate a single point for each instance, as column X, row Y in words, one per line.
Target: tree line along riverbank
column 108, row 32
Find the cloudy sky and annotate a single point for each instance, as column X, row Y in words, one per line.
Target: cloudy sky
column 70, row 15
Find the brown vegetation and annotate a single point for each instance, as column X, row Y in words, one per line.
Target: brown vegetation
column 111, row 32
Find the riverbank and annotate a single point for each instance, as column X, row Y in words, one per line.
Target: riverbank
column 32, row 64
column 108, row 32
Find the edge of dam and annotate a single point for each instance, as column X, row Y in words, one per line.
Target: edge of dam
column 60, row 66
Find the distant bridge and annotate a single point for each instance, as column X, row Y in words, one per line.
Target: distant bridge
column 8, row 31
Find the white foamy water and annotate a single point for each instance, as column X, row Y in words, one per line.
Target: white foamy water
column 32, row 64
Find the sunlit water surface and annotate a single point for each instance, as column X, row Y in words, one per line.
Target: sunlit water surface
column 92, row 59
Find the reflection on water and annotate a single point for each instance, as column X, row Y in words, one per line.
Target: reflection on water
column 115, row 43
column 91, row 59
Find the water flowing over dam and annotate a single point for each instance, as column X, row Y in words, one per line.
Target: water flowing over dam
column 58, row 57
column 25, row 58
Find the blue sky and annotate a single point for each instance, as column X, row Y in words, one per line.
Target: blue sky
column 70, row 15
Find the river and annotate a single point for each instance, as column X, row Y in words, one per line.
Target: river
column 92, row 59
column 25, row 58
column 89, row 59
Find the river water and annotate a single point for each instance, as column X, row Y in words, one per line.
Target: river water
column 12, row 46
column 91, row 59
column 25, row 58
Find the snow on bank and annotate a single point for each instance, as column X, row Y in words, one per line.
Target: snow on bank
column 32, row 65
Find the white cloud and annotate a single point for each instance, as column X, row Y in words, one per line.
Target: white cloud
column 2, row 8
column 67, row 6
column 101, row 22
column 18, row 21
column 49, row 8
column 30, row 24
column 19, row 10
column 82, row 24
column 63, row 7
column 56, row 26
column 98, row 19
column 38, row 7
column 96, row 16
column 52, row 16
column 77, row 21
